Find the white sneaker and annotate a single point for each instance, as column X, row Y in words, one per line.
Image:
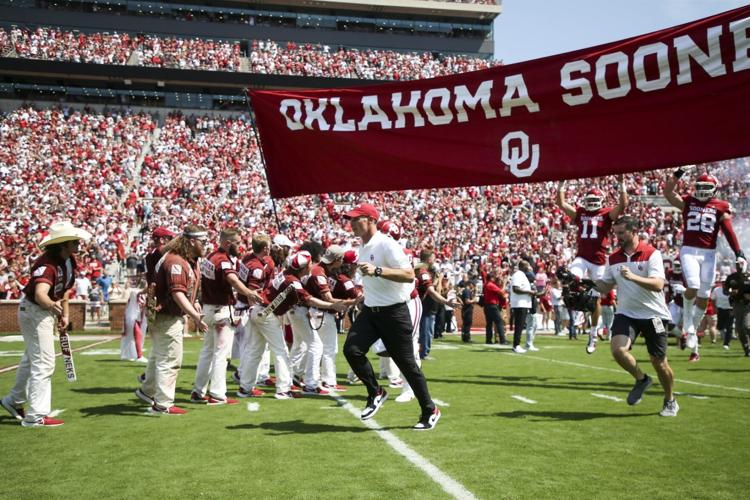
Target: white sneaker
column 670, row 409
column 532, row 348
column 405, row 397
column 591, row 347
column 726, row 347
column 519, row 350
column 142, row 360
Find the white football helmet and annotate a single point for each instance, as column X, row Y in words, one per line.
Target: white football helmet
column 593, row 200
column 705, row 187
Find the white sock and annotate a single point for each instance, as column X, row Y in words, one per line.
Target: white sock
column 698, row 314
column 687, row 312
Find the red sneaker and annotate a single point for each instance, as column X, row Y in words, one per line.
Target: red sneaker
column 335, row 387
column 252, row 393
column 269, row 382
column 212, row 401
column 196, row 398
column 694, row 356
column 316, row 391
column 43, row 422
column 172, row 410
column 295, row 388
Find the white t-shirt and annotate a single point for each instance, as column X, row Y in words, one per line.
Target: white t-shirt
column 721, row 300
column 519, row 280
column 633, row 300
column 556, row 295
column 382, row 251
column 83, row 285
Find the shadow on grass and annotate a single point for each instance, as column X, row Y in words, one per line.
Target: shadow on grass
column 543, row 416
column 104, row 390
column 726, row 370
column 120, row 409
column 298, row 427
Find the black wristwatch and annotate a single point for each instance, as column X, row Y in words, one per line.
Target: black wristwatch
column 378, row 272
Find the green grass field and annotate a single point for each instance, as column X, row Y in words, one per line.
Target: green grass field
column 569, row 444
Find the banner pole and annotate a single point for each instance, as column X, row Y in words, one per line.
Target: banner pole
column 262, row 157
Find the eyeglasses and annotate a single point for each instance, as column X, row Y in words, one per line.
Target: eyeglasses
column 202, row 241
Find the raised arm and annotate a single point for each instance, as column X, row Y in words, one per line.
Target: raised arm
column 622, row 201
column 672, row 197
column 566, row 207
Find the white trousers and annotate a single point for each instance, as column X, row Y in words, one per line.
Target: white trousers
column 165, row 360
column 211, row 373
column 328, row 334
column 261, row 332
column 34, row 373
column 307, row 348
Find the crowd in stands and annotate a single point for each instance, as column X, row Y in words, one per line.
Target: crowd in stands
column 269, row 57
column 266, row 57
column 115, row 48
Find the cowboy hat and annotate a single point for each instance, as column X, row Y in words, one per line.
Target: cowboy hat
column 60, row 232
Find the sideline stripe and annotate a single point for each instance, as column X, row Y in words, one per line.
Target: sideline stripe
column 581, row 365
column 694, row 396
column 449, row 485
column 523, row 399
column 605, row 396
column 11, row 368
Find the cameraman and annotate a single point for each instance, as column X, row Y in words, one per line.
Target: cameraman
column 737, row 287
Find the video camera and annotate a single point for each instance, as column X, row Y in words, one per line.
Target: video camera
column 577, row 293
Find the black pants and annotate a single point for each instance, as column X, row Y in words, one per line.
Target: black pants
column 492, row 317
column 467, row 319
column 519, row 321
column 449, row 321
column 439, row 322
column 725, row 324
column 393, row 325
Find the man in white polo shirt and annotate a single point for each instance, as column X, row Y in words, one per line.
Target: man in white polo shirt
column 637, row 270
column 388, row 280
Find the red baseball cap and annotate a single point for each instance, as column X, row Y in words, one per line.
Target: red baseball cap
column 363, row 209
column 350, row 257
column 162, row 232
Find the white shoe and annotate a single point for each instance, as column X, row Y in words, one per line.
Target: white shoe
column 405, row 397
column 692, row 340
column 142, row 360
column 519, row 350
column 670, row 409
column 726, row 347
column 591, row 347
column 532, row 348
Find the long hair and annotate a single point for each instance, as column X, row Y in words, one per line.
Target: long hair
column 181, row 244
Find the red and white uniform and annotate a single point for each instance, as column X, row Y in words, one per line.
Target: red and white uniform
column 217, row 299
column 701, row 221
column 262, row 334
column 593, row 227
column 322, row 344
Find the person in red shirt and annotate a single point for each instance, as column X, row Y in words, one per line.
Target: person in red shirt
column 594, row 223
column 495, row 301
column 176, row 291
column 703, row 215
column 218, row 279
column 44, row 308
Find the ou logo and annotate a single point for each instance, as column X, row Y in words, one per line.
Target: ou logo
column 515, row 153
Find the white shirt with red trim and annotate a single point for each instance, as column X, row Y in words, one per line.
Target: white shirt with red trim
column 633, row 300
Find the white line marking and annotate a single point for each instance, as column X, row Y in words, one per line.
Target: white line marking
column 102, row 352
column 523, row 399
column 605, row 396
column 449, row 485
column 253, row 406
column 439, row 402
column 55, row 413
column 694, row 396
column 10, row 354
column 444, row 347
column 682, row 381
column 11, row 368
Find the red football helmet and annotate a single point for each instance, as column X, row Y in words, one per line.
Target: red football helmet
column 390, row 228
column 593, row 199
column 705, row 187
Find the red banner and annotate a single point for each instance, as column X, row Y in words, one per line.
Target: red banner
column 672, row 97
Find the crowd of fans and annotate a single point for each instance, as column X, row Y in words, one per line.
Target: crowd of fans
column 266, row 57
column 117, row 48
column 83, row 166
column 269, row 57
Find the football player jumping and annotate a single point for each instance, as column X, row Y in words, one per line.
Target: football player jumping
column 594, row 222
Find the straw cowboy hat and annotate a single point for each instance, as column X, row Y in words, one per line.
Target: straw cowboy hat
column 60, row 232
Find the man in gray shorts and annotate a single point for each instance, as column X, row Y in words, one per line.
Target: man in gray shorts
column 637, row 270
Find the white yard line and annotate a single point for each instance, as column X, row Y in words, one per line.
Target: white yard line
column 55, row 413
column 694, row 396
column 682, row 381
column 449, row 485
column 523, row 399
column 11, row 368
column 605, row 396
column 440, row 403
